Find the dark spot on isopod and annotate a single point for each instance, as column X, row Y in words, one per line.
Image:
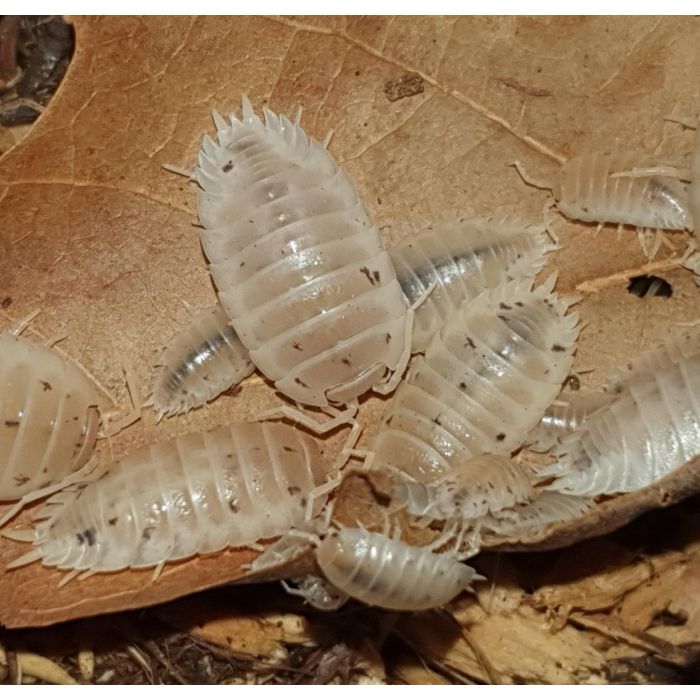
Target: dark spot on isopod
column 558, row 348
column 505, row 307
column 296, row 346
column 377, row 276
column 470, row 343
column 303, row 502
column 233, row 505
column 502, row 318
column 228, row 167
column 462, row 385
column 6, row 302
column 300, row 383
column 387, row 337
column 519, row 303
column 11, row 423
column 649, row 285
column 113, row 521
column 287, row 449
column 346, row 361
column 293, row 489
column 146, row 534
column 89, row 536
column 501, row 437
column 21, row 480
column 366, row 273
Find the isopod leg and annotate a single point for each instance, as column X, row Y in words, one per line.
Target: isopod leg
column 527, row 179
column 20, row 326
column 134, row 414
column 318, row 427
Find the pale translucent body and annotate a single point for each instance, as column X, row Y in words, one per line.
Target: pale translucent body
column 49, row 417
column 464, row 258
column 485, row 381
column 533, row 518
column 299, row 266
column 474, row 488
column 587, row 192
column 195, row 494
column 202, row 360
column 682, row 345
column 648, row 430
column 388, row 573
column 562, row 417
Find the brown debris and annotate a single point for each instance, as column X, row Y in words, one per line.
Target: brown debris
column 407, row 85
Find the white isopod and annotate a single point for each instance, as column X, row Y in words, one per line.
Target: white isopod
column 473, row 489
column 196, row 494
column 299, row 266
column 612, row 188
column 200, row 362
column 648, row 430
column 486, row 379
column 562, row 417
column 388, row 573
column 461, row 258
column 533, row 518
column 49, row 417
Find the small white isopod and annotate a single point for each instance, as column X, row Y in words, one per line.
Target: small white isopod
column 195, row 494
column 621, row 188
column 199, row 362
column 388, row 573
column 484, row 382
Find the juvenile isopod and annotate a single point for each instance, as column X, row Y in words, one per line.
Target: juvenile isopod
column 650, row 428
column 199, row 363
column 604, row 188
column 458, row 259
column 479, row 486
column 533, row 518
column 195, row 494
column 388, row 573
column 299, row 266
column 485, row 380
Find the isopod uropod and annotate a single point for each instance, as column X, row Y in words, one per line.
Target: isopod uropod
column 195, row 494
column 485, row 380
column 299, row 266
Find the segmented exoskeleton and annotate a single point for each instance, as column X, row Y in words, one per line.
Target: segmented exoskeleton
column 299, row 266
column 622, row 188
column 388, row 573
column 199, row 363
column 195, row 494
column 650, row 428
column 485, row 380
column 49, row 417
